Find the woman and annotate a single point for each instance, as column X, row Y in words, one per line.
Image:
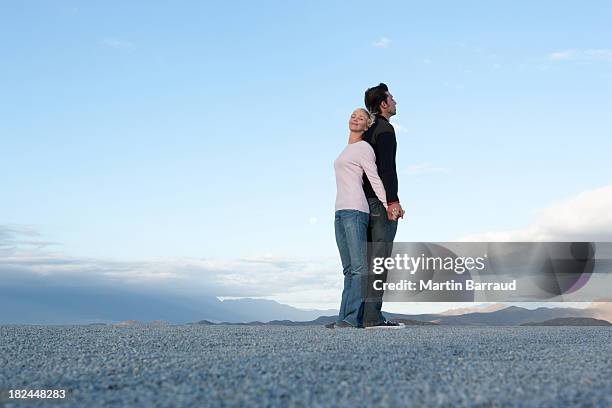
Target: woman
column 352, row 216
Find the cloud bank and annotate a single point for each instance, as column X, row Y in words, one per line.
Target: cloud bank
column 585, row 217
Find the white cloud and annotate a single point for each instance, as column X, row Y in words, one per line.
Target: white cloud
column 562, row 55
column 12, row 239
column 301, row 282
column 398, row 128
column 456, row 86
column 601, row 54
column 424, row 168
column 383, row 42
column 313, row 221
column 585, row 217
column 117, row 43
column 306, row 282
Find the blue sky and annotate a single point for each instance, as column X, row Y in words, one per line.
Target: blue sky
column 152, row 130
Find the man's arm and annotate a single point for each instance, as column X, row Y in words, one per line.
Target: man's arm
column 386, row 147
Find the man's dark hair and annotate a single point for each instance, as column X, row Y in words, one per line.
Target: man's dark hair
column 375, row 96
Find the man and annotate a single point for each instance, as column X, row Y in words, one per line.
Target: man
column 383, row 224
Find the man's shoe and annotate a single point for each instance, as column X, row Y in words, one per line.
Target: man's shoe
column 386, row 325
column 339, row 325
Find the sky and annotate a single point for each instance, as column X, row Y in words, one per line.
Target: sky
column 201, row 135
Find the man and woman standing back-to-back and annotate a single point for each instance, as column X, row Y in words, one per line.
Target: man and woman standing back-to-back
column 367, row 208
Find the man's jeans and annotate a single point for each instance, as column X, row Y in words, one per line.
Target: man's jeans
column 351, row 237
column 381, row 233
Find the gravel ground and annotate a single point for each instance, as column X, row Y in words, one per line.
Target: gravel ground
column 309, row 366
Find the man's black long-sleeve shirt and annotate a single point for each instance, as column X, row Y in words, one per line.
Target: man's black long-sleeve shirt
column 381, row 136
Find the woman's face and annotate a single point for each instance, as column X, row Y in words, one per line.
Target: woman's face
column 358, row 121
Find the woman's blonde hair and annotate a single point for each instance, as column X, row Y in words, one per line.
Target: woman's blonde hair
column 370, row 116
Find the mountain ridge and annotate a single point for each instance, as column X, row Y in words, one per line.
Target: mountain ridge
column 508, row 316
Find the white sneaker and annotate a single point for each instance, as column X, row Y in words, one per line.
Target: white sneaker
column 388, row 325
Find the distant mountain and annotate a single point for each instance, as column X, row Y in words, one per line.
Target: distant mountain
column 154, row 323
column 570, row 321
column 265, row 310
column 54, row 304
column 601, row 310
column 320, row 321
column 204, row 323
column 85, row 305
column 509, row 316
column 474, row 309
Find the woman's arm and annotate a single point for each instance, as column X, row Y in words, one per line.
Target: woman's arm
column 368, row 163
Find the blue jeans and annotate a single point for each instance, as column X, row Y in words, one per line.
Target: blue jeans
column 351, row 228
column 381, row 233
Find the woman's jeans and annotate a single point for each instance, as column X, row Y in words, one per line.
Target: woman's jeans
column 351, row 237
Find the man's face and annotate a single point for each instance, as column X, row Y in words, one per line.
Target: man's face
column 391, row 105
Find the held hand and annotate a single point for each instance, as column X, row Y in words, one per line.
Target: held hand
column 395, row 211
